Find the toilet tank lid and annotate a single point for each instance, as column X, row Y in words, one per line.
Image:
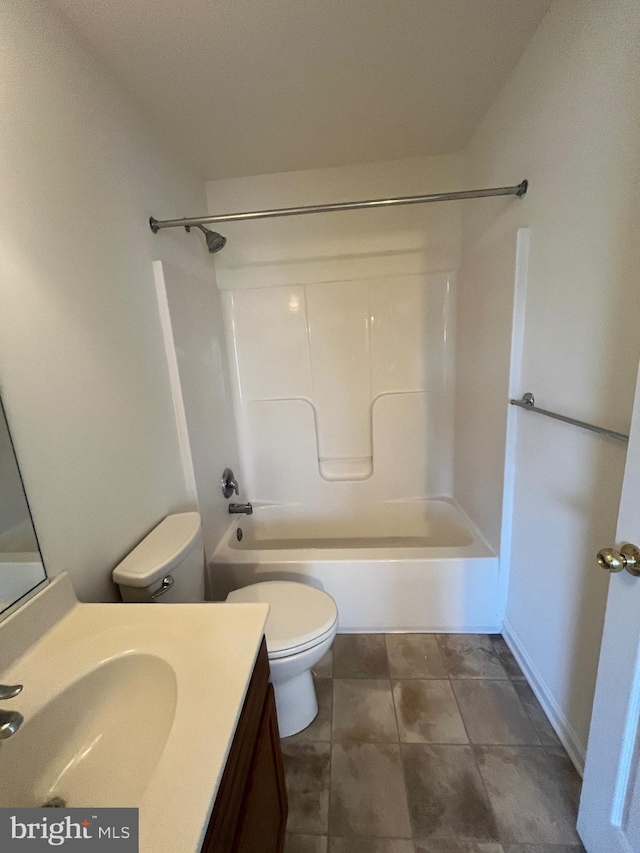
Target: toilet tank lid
column 160, row 551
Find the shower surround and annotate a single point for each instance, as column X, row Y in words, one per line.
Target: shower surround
column 343, row 397
column 340, row 338
column 343, row 390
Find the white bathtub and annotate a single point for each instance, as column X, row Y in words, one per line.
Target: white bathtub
column 405, row 566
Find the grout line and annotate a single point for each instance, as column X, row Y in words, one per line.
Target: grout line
column 333, row 682
column 348, row 741
column 400, row 753
column 390, row 680
column 475, row 761
column 464, row 725
column 470, row 746
column 528, row 715
column 520, row 703
column 536, row 729
column 314, row 834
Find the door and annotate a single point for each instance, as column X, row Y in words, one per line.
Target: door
column 609, row 818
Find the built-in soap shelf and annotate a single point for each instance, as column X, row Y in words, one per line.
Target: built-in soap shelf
column 346, row 469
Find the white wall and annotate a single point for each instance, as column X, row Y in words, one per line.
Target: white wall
column 204, row 387
column 331, row 247
column 82, row 367
column 567, row 119
column 342, row 334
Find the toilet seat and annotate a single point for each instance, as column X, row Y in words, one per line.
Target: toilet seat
column 305, row 646
column 300, row 616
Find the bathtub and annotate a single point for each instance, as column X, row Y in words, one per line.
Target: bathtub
column 403, row 566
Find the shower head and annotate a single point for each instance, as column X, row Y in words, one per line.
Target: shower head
column 215, row 241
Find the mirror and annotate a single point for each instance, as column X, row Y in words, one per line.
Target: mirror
column 21, row 566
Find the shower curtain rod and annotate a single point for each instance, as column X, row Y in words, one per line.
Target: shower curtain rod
column 155, row 224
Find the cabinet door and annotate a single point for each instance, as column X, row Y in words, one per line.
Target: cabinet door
column 263, row 818
column 225, row 820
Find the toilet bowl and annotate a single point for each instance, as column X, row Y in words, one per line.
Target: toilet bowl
column 301, row 627
column 168, row 566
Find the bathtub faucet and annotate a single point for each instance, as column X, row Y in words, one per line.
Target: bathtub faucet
column 240, row 509
column 10, row 721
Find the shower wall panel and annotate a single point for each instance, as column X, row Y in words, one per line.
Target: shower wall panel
column 344, row 389
column 339, row 328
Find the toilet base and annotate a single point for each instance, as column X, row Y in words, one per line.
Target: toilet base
column 296, row 703
column 295, row 692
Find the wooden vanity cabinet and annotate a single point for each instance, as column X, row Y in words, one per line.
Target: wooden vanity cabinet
column 250, row 812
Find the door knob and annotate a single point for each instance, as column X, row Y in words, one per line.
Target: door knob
column 628, row 557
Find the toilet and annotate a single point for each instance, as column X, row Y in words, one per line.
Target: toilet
column 301, row 626
column 168, row 566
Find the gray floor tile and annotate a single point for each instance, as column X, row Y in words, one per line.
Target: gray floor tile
column 529, row 793
column 444, row 846
column 368, row 795
column 446, row 796
column 360, row 656
column 414, row 656
column 324, row 667
column 470, row 656
column 505, row 656
column 307, row 773
column 534, row 790
column 428, row 712
column 320, row 728
column 305, row 844
column 493, row 713
column 537, row 716
column 370, row 845
column 363, row 711
column 542, row 848
column 571, row 780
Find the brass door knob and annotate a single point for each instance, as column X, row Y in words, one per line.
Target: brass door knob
column 628, row 557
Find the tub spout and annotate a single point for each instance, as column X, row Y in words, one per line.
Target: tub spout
column 240, row 509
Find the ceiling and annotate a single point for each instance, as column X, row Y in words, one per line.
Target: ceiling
column 247, row 87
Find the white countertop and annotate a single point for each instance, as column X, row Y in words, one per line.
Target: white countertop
column 210, row 647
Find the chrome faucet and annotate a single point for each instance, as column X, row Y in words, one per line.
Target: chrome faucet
column 229, row 483
column 241, row 509
column 9, row 691
column 10, row 721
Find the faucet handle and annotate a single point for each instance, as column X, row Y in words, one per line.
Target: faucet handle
column 10, row 691
column 10, row 722
column 229, row 483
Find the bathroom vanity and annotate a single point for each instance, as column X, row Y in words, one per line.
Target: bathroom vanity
column 250, row 812
column 199, row 755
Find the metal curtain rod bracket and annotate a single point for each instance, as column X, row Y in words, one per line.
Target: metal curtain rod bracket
column 517, row 190
column 528, row 402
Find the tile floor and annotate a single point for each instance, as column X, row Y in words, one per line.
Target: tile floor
column 428, row 744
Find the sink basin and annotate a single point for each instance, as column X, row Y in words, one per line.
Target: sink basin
column 126, row 705
column 96, row 742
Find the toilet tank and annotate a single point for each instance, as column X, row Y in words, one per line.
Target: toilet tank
column 168, row 565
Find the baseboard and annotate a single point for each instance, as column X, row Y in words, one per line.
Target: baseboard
column 444, row 629
column 562, row 726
